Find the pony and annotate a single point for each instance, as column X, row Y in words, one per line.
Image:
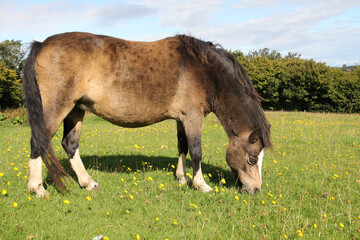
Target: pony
column 134, row 84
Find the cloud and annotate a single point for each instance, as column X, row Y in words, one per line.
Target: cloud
column 112, row 14
column 185, row 14
column 63, row 15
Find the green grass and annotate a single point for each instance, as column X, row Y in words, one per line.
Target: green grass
column 311, row 184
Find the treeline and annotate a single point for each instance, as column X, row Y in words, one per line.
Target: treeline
column 294, row 84
column 285, row 82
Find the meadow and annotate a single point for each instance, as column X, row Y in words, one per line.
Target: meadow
column 311, row 184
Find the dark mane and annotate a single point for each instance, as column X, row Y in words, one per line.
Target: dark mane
column 201, row 50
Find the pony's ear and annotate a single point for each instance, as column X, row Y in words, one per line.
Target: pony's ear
column 255, row 135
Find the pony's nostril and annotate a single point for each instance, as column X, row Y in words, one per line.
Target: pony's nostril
column 257, row 190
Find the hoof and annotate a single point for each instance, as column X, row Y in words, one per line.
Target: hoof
column 92, row 186
column 205, row 188
column 183, row 180
column 39, row 190
column 42, row 194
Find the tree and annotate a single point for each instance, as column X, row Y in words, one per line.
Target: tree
column 10, row 88
column 12, row 54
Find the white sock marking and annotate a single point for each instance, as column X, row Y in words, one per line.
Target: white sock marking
column 200, row 183
column 35, row 177
column 78, row 167
column 181, row 169
column 35, row 167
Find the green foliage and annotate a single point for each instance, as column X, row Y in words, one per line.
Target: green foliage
column 12, row 54
column 10, row 88
column 291, row 83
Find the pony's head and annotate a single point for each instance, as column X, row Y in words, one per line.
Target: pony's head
column 244, row 156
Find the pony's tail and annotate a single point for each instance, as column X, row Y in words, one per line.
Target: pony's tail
column 40, row 141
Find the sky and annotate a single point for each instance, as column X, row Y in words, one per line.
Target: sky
column 324, row 30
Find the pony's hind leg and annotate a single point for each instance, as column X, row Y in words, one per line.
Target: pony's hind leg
column 183, row 150
column 35, row 177
column 70, row 142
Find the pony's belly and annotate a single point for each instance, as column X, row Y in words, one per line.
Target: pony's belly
column 131, row 117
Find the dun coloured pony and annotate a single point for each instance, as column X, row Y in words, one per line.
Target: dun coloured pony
column 135, row 84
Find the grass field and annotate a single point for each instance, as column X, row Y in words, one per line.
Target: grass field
column 311, row 184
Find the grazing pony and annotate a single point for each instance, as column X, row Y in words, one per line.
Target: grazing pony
column 135, row 84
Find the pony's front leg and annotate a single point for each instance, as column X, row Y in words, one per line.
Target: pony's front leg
column 193, row 134
column 35, row 177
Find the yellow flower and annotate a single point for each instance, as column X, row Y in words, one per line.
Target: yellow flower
column 15, row 204
column 105, row 238
column 122, row 180
column 315, row 226
column 285, row 236
column 157, row 219
column 131, row 196
column 273, row 202
column 193, row 205
column 107, row 213
column 88, row 198
column 341, row 225
column 29, row 198
column 4, row 192
column 325, row 216
column 127, row 211
column 199, row 212
column 245, row 201
column 1, row 174
column 223, row 181
column 236, row 198
column 66, row 202
column 137, row 237
column 262, row 202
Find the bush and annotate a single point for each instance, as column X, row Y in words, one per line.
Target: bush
column 16, row 116
column 295, row 84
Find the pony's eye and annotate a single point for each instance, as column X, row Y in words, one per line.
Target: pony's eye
column 252, row 160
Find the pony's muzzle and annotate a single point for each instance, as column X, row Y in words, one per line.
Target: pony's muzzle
column 249, row 184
